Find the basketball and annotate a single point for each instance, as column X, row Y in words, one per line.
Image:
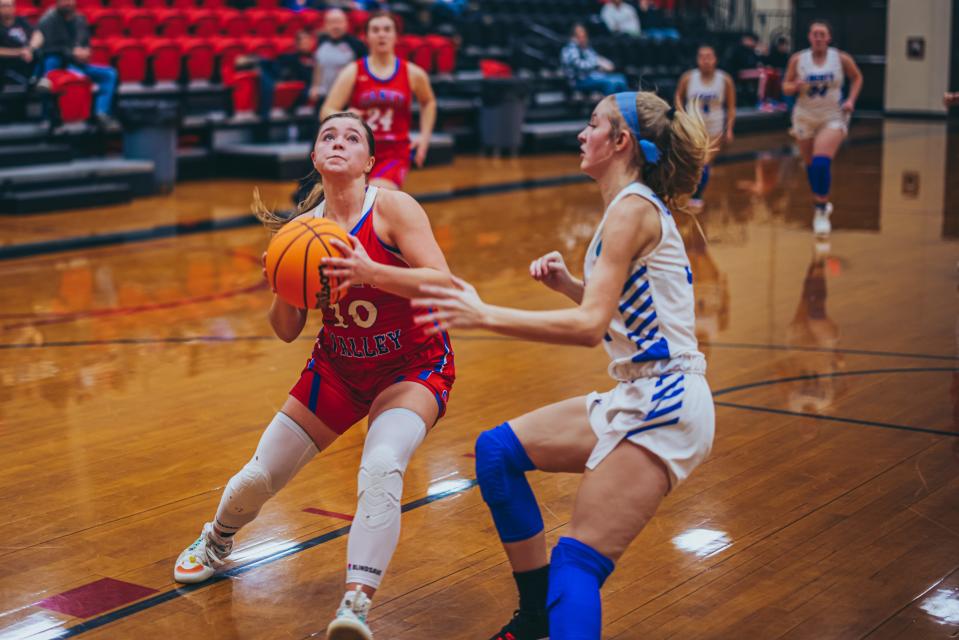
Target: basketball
column 293, row 265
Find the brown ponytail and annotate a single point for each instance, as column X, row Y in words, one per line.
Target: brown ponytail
column 683, row 143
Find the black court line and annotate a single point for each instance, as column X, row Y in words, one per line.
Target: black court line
column 858, row 352
column 816, row 416
column 492, row 337
column 75, row 243
column 835, row 374
column 149, row 603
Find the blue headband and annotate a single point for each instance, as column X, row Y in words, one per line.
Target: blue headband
column 626, row 101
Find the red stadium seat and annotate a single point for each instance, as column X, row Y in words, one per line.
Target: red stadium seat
column 262, row 47
column 154, row 4
column 130, row 56
column 358, row 19
column 74, row 95
column 264, row 22
column 285, row 94
column 29, row 13
column 227, row 50
column 123, row 5
column 212, row 4
column 444, row 53
column 200, row 58
column 289, row 22
column 106, row 23
column 172, row 23
column 140, row 23
column 312, row 19
column 204, row 23
column 233, row 23
column 246, row 91
column 100, row 53
column 267, row 4
column 166, row 57
column 183, row 4
column 283, row 44
column 88, row 5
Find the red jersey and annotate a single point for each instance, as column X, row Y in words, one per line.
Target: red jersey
column 386, row 103
column 370, row 327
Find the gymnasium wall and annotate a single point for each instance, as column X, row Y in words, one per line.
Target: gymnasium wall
column 915, row 83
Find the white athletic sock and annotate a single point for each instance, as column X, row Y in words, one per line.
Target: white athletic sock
column 391, row 441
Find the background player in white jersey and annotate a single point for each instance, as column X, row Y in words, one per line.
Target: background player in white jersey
column 820, row 118
column 716, row 95
column 642, row 438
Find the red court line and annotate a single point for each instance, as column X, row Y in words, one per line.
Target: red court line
column 126, row 311
column 332, row 514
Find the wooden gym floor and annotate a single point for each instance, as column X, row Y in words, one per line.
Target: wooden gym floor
column 136, row 377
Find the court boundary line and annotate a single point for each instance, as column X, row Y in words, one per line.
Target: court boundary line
column 162, row 598
column 255, row 338
column 834, row 374
column 831, row 418
column 74, row 243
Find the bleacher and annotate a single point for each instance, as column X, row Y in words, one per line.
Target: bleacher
column 186, row 51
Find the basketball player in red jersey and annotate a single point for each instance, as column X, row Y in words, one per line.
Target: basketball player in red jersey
column 380, row 87
column 370, row 358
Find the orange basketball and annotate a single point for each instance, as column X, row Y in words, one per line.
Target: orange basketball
column 293, row 262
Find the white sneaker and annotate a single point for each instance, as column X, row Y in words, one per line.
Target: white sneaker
column 821, row 225
column 350, row 620
column 200, row 560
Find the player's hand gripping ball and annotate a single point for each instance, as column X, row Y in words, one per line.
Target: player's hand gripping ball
column 293, row 262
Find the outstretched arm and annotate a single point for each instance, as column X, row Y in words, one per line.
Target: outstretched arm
column 632, row 228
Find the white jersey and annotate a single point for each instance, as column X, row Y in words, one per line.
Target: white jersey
column 823, row 96
column 712, row 99
column 653, row 330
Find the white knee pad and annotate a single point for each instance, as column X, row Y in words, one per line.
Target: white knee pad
column 283, row 450
column 247, row 491
column 390, row 443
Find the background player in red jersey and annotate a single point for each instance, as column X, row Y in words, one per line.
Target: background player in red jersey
column 380, row 87
column 370, row 358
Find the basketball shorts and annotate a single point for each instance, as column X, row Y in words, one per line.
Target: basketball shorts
column 671, row 415
column 806, row 124
column 392, row 162
column 341, row 394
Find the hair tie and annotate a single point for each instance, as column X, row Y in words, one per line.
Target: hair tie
column 671, row 112
column 626, row 101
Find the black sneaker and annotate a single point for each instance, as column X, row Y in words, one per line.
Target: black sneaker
column 525, row 625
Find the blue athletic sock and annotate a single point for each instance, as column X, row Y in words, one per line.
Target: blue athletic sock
column 501, row 466
column 702, row 183
column 577, row 572
column 819, row 174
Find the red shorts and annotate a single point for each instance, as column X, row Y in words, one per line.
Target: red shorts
column 392, row 161
column 341, row 394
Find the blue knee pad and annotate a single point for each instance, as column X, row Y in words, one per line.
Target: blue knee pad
column 702, row 183
column 819, row 173
column 501, row 466
column 576, row 574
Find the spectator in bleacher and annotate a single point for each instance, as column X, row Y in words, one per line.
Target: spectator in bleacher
column 337, row 49
column 620, row 17
column 19, row 43
column 654, row 23
column 66, row 36
column 744, row 64
column 297, row 65
column 778, row 56
column 587, row 70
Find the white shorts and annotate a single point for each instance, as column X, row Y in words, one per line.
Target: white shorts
column 671, row 415
column 806, row 125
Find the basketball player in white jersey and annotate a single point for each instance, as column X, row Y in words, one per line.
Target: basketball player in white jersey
column 639, row 440
column 820, row 118
column 715, row 94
